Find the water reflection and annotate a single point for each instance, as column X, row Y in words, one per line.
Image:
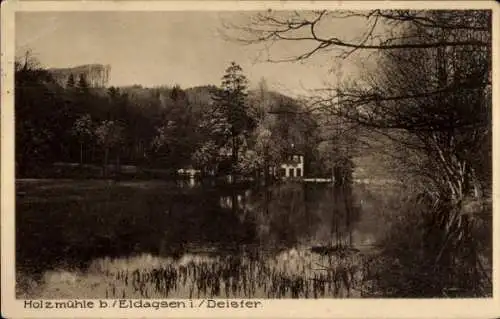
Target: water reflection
column 253, row 230
column 190, row 182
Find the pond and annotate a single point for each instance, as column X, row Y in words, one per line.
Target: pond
column 192, row 239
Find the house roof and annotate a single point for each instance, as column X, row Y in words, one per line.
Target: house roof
column 288, row 160
column 291, row 163
column 292, row 151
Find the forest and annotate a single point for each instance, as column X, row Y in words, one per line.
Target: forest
column 218, row 130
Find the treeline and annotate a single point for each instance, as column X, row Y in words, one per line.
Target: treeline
column 224, row 129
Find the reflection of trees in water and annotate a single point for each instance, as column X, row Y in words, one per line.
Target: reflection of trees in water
column 290, row 213
column 167, row 220
column 344, row 214
column 202, row 220
column 265, row 224
column 420, row 259
column 260, row 226
column 280, row 215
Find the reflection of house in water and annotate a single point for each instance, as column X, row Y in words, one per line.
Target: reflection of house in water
column 187, row 183
column 239, row 199
column 189, row 175
column 191, row 172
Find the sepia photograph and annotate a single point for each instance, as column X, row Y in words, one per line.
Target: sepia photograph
column 324, row 153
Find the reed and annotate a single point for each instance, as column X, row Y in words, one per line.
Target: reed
column 293, row 274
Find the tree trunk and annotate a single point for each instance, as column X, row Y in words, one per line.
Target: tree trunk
column 234, row 202
column 105, row 161
column 348, row 210
column 81, row 153
column 266, row 172
column 267, row 199
column 235, row 152
column 334, row 228
column 92, row 153
column 337, row 176
column 118, row 166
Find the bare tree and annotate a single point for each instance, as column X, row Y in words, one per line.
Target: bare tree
column 431, row 89
column 384, row 29
column 429, row 94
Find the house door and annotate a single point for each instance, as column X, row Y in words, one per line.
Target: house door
column 299, row 172
column 291, row 172
column 282, row 172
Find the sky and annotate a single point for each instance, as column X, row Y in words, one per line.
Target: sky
column 164, row 48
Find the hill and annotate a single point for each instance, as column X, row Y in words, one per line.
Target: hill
column 97, row 75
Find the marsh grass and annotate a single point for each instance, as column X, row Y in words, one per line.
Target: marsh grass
column 290, row 274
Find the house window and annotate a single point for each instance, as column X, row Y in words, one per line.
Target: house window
column 282, row 172
column 291, row 172
column 299, row 172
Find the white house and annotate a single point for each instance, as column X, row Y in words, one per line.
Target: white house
column 291, row 167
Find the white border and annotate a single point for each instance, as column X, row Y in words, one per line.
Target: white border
column 349, row 308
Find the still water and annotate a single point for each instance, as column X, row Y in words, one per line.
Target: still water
column 192, row 239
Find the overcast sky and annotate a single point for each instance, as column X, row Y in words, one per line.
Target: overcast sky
column 162, row 48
